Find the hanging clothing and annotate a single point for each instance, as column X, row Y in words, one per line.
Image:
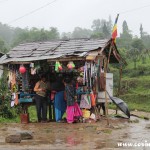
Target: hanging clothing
column 33, row 71
column 85, row 101
column 13, row 80
column 60, row 105
column 16, row 100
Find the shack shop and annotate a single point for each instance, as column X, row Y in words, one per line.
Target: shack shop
column 85, row 60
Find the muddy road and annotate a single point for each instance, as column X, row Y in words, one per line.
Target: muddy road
column 80, row 136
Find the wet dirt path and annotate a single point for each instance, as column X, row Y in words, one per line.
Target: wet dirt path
column 81, row 136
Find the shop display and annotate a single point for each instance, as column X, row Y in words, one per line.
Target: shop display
column 22, row 79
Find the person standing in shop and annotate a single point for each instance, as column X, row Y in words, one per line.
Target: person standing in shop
column 73, row 111
column 41, row 88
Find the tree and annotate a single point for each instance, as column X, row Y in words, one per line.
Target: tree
column 81, row 33
column 134, row 55
column 145, row 37
column 144, row 55
column 126, row 33
column 53, row 33
column 125, row 37
column 101, row 28
column 35, row 35
column 96, row 26
column 141, row 31
column 66, row 35
column 105, row 31
column 138, row 44
column 97, row 35
column 3, row 48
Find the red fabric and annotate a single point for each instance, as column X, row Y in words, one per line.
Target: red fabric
column 52, row 96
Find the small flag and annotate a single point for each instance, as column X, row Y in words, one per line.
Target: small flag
column 114, row 31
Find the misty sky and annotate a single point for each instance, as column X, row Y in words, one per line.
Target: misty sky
column 67, row 14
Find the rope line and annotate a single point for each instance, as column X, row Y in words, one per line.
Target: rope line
column 31, row 12
column 135, row 9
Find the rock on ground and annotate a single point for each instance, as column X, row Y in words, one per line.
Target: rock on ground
column 13, row 138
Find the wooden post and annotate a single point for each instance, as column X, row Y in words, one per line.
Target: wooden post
column 106, row 98
column 120, row 76
column 109, row 56
column 119, row 86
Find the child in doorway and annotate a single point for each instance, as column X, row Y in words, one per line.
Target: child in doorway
column 73, row 110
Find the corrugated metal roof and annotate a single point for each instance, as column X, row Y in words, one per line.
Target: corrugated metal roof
column 52, row 50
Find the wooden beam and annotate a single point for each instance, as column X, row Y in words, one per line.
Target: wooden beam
column 20, row 63
column 67, row 59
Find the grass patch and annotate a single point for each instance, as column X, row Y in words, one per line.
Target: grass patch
column 139, row 102
column 8, row 120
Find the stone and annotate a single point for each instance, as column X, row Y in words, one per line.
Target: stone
column 147, row 126
column 13, row 138
column 26, row 135
column 80, row 129
column 133, row 121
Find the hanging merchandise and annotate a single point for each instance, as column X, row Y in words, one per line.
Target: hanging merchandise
column 13, row 96
column 98, row 75
column 32, row 65
column 88, row 77
column 93, row 99
column 36, row 68
column 85, row 101
column 22, row 69
column 58, row 66
column 84, row 75
column 12, row 81
column 12, row 103
column 16, row 100
column 71, row 65
column 33, row 71
column 25, row 81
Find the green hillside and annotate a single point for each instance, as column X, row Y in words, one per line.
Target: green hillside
column 135, row 85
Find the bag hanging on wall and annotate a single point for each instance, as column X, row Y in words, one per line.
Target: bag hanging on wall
column 85, row 101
